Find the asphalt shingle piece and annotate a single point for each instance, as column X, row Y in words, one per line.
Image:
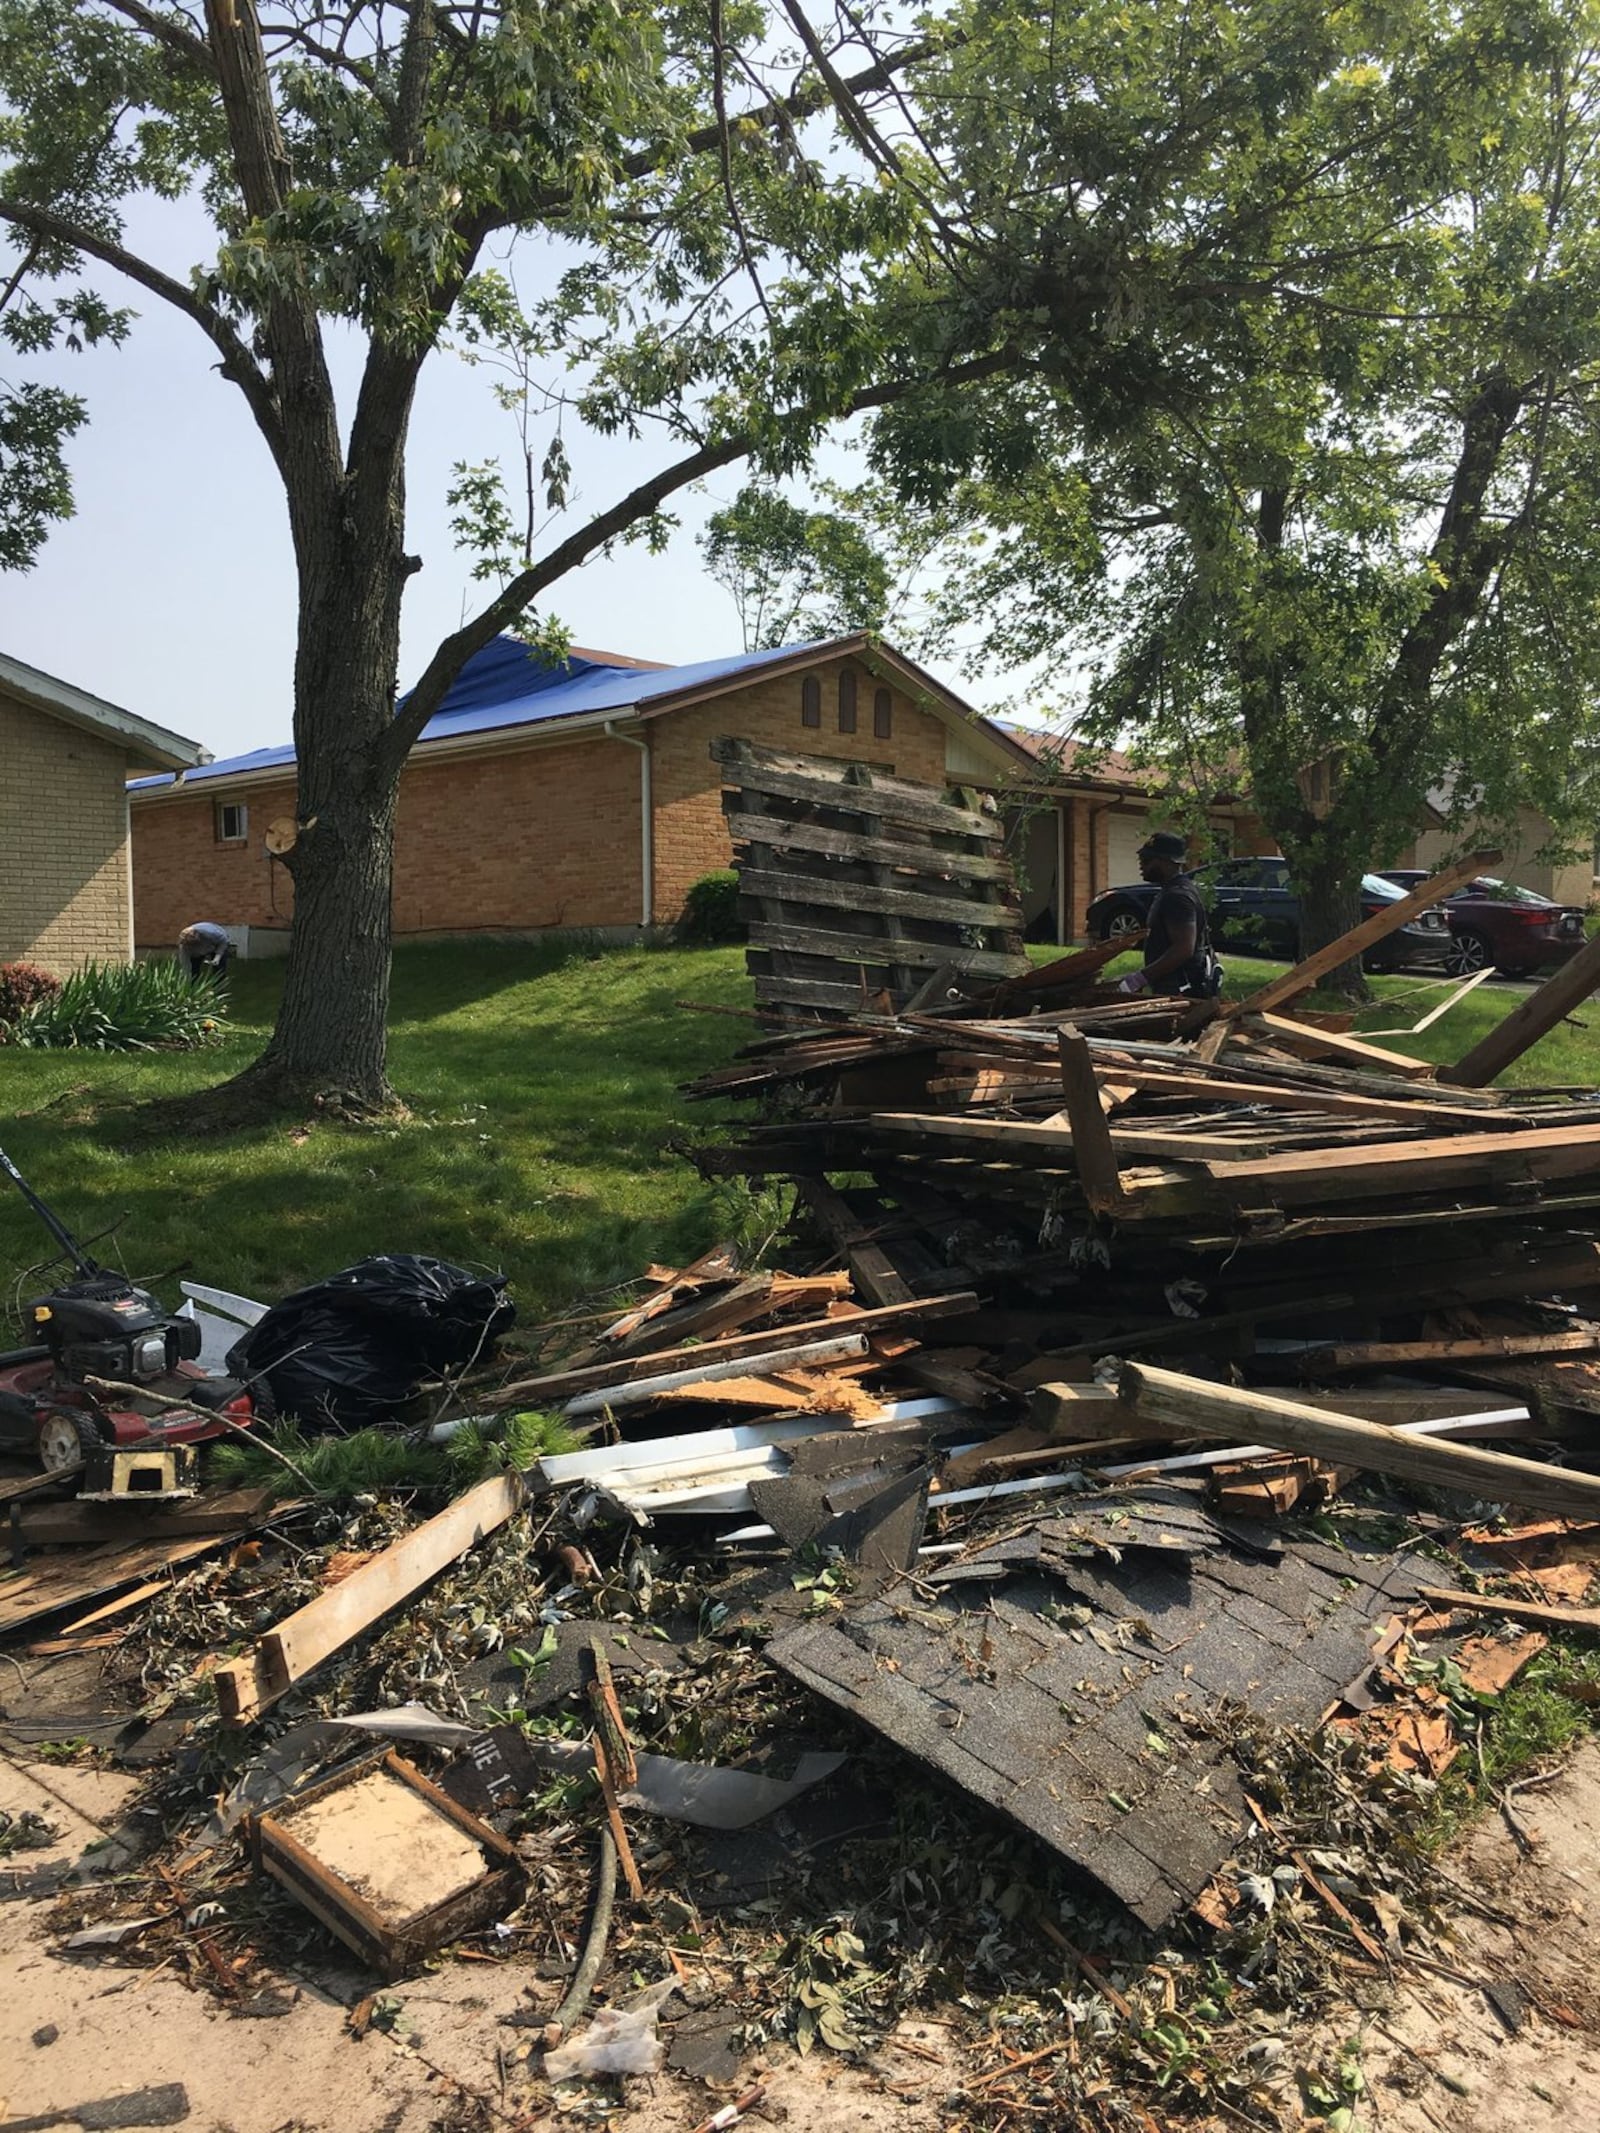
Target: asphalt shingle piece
column 1061, row 1676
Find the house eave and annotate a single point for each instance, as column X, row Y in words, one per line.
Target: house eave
column 149, row 747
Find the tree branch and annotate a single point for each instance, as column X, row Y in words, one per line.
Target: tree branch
column 453, row 654
column 239, row 366
column 172, row 34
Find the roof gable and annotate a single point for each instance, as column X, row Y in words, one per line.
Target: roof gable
column 144, row 742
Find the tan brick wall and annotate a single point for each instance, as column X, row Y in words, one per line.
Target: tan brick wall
column 534, row 837
column 181, row 873
column 690, row 837
column 511, row 842
column 63, row 842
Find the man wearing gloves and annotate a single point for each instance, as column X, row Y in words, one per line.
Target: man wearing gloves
column 1178, row 957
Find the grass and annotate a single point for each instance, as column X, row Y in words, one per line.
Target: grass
column 543, row 1086
column 543, row 1091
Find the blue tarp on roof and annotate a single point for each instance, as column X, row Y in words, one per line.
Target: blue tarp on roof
column 506, row 685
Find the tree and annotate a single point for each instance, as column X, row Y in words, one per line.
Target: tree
column 794, row 574
column 703, row 259
column 1305, row 448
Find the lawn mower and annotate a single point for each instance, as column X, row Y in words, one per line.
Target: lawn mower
column 92, row 1390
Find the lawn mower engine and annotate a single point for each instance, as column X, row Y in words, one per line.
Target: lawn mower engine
column 94, row 1333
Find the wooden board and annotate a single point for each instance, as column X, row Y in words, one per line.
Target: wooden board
column 302, row 1641
column 47, row 1584
column 1168, row 1401
column 1529, row 1020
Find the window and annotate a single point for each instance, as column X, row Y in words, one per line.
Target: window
column 847, row 701
column 233, row 822
column 882, row 715
column 811, row 701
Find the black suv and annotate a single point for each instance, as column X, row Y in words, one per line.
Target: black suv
column 1255, row 911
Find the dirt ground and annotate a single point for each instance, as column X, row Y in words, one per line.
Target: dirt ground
column 1436, row 2055
column 1440, row 2056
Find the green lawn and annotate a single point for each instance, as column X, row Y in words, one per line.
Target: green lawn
column 543, row 1091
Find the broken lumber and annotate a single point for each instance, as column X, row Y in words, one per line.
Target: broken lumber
column 1383, row 1355
column 1359, row 939
column 1529, row 1020
column 1092, row 1146
column 1535, row 1611
column 633, row 1392
column 557, row 1385
column 1174, row 1404
column 302, row 1641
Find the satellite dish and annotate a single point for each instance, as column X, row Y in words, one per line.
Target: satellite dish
column 281, row 835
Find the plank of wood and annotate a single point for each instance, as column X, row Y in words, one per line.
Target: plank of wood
column 1305, row 974
column 916, row 857
column 876, row 951
column 633, row 1392
column 876, row 1274
column 56, row 1525
column 797, row 892
column 1384, row 1355
column 1484, row 1603
column 1332, row 1044
column 892, row 799
column 32, row 1484
column 302, row 1641
column 1093, row 1144
column 1531, row 1019
column 1412, row 1166
column 1406, row 1110
column 48, row 1584
column 1167, row 1401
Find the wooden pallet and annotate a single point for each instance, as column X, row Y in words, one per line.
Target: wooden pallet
column 861, row 890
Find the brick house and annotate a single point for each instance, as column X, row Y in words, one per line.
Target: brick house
column 65, row 849
column 584, row 795
column 580, row 795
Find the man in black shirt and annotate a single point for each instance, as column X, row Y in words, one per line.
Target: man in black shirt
column 1177, row 946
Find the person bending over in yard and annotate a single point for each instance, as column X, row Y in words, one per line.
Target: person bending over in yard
column 1178, row 956
column 204, row 946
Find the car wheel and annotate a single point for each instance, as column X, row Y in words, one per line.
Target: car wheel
column 1122, row 924
column 64, row 1439
column 1470, row 952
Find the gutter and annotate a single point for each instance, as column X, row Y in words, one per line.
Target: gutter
column 647, row 854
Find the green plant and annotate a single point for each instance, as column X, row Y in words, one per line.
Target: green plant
column 23, row 985
column 123, row 1007
column 284, row 1459
column 711, row 910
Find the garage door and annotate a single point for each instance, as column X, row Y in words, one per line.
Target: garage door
column 1125, row 832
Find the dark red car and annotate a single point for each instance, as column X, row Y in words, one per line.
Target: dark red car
column 1496, row 922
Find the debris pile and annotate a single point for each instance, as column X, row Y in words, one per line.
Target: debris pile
column 1028, row 1485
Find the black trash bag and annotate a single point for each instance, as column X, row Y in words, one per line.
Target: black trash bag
column 348, row 1351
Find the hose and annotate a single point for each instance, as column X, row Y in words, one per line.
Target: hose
column 594, row 1948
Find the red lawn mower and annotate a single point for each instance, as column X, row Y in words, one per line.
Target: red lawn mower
column 95, row 1332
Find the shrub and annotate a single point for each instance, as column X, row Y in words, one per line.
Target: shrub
column 22, row 985
column 711, row 911
column 124, row 1007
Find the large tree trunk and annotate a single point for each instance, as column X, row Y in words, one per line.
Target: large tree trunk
column 331, row 1035
column 1330, row 904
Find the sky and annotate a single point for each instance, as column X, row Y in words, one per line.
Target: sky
column 171, row 592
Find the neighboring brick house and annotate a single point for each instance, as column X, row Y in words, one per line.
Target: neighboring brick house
column 65, row 858
column 580, row 795
column 1082, row 829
